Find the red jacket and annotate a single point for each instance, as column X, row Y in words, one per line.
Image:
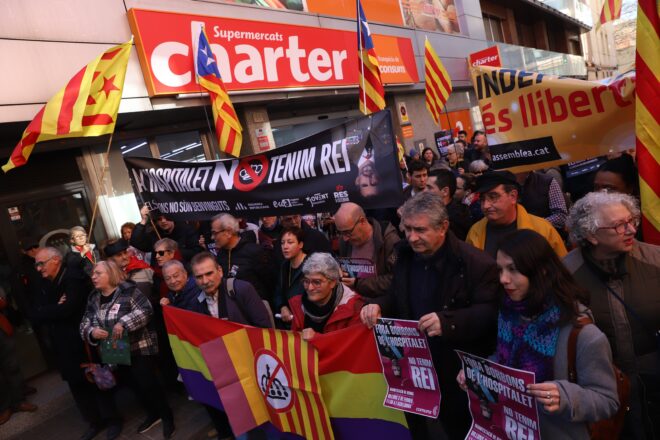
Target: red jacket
column 346, row 314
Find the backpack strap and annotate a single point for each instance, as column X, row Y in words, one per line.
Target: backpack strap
column 572, row 346
column 231, row 293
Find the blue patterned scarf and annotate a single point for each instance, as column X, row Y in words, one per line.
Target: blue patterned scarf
column 528, row 342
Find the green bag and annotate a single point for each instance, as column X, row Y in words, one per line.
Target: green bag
column 115, row 352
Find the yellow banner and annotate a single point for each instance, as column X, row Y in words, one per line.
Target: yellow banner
column 535, row 121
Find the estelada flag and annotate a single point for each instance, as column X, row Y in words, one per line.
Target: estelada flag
column 372, row 92
column 438, row 83
column 228, row 129
column 273, row 376
column 86, row 106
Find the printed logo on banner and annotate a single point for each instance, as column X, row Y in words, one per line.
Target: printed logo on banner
column 287, row 203
column 526, row 152
column 317, row 199
column 250, row 173
column 274, row 380
column 340, row 194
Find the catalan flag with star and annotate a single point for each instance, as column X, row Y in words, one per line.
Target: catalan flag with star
column 86, row 106
column 438, row 82
column 227, row 128
column 372, row 92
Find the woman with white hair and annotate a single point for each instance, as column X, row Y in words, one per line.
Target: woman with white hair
column 622, row 276
column 326, row 304
column 86, row 251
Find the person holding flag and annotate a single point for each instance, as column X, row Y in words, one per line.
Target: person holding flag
column 228, row 130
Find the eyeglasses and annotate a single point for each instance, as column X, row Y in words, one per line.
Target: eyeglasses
column 349, row 232
column 214, row 233
column 491, row 197
column 40, row 264
column 313, row 281
column 161, row 253
column 621, row 227
column 79, row 236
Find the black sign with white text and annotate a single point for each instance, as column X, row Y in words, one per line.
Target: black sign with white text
column 525, row 152
column 354, row 161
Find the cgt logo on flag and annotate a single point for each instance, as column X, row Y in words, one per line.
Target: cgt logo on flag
column 274, row 380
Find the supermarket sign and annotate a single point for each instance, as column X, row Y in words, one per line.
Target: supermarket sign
column 255, row 55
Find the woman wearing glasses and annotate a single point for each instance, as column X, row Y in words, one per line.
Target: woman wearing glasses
column 291, row 275
column 326, row 304
column 116, row 307
column 622, row 276
column 86, row 251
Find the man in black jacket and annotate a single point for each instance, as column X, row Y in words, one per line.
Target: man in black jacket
column 64, row 297
column 144, row 236
column 244, row 307
column 452, row 289
column 241, row 259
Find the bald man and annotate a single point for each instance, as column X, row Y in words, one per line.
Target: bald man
column 366, row 238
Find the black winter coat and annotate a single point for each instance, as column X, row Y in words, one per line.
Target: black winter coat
column 62, row 320
column 250, row 262
column 466, row 302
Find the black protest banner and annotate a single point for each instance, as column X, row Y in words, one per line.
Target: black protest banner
column 354, row 161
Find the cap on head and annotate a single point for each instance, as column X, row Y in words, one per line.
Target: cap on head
column 491, row 179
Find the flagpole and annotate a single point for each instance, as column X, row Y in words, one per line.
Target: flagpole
column 364, row 90
column 106, row 158
column 201, row 93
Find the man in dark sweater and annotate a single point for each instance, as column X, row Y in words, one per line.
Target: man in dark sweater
column 452, row 289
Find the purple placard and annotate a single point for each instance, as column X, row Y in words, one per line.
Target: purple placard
column 357, row 267
column 500, row 406
column 412, row 384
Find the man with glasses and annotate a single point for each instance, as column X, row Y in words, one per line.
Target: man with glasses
column 451, row 288
column 622, row 277
column 242, row 259
column 366, row 238
column 503, row 214
column 144, row 236
column 64, row 293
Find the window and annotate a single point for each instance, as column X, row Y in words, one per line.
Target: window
column 183, row 147
column 494, row 28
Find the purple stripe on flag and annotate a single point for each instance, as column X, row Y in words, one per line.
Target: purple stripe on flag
column 200, row 389
column 345, row 429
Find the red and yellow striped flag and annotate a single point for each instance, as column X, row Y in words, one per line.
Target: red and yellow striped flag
column 227, row 127
column 611, row 11
column 438, row 83
column 647, row 116
column 372, row 92
column 273, row 377
column 86, row 106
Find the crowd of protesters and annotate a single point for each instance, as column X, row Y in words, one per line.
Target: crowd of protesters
column 499, row 265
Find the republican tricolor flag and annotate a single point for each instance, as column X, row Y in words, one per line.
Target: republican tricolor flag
column 372, row 92
column 86, row 106
column 438, row 83
column 611, row 11
column 329, row 387
column 227, row 127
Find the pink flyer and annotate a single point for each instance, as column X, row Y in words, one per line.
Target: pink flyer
column 500, row 406
column 412, row 383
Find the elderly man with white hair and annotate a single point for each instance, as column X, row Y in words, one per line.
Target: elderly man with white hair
column 622, row 277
